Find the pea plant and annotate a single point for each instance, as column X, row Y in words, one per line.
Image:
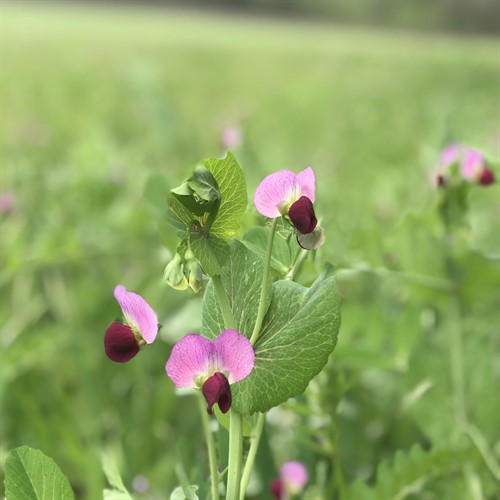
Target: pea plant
column 263, row 336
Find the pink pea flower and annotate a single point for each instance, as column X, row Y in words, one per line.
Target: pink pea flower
column 449, row 156
column 7, row 202
column 211, row 366
column 122, row 342
column 293, row 478
column 473, row 168
column 231, row 138
column 284, row 193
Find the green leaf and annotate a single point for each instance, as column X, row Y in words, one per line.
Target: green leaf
column 233, row 190
column 256, row 239
column 299, row 333
column 242, row 280
column 211, row 251
column 179, row 216
column 219, row 187
column 29, row 474
column 188, row 493
column 199, row 193
column 410, row 473
column 109, row 461
column 115, row 495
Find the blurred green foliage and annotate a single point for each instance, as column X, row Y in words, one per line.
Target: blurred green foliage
column 94, row 102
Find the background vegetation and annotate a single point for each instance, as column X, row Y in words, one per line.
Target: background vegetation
column 95, row 101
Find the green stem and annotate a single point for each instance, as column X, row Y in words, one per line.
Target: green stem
column 212, row 455
column 235, row 455
column 235, row 419
column 252, row 452
column 301, row 257
column 265, row 281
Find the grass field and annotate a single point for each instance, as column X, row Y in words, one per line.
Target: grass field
column 96, row 100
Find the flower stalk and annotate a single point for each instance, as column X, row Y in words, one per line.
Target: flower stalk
column 252, row 453
column 235, row 419
column 265, row 280
column 212, row 455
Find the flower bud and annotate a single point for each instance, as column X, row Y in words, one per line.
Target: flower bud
column 174, row 275
column 194, row 271
column 311, row 241
column 486, row 177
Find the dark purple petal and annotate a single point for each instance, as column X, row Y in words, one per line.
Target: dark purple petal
column 487, row 177
column 277, row 489
column 216, row 390
column 301, row 214
column 441, row 180
column 120, row 344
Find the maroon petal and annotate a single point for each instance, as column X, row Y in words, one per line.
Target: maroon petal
column 301, row 214
column 216, row 390
column 277, row 489
column 120, row 344
column 486, row 178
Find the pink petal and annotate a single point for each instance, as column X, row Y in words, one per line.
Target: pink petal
column 472, row 164
column 120, row 344
column 294, row 474
column 306, row 182
column 216, row 390
column 138, row 313
column 189, row 360
column 275, row 190
column 231, row 137
column 234, row 353
column 449, row 155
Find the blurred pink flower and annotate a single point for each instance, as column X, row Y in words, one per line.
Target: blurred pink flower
column 198, row 362
column 122, row 342
column 231, row 138
column 472, row 166
column 7, row 202
column 293, row 478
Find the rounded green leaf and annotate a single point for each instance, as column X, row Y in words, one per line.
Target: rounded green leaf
column 299, row 333
column 31, row 475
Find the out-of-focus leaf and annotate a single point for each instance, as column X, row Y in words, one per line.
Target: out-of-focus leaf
column 189, row 493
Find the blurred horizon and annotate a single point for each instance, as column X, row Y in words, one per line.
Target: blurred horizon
column 472, row 17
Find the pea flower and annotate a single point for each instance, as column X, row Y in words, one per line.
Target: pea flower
column 284, row 193
column 470, row 166
column 473, row 168
column 449, row 156
column 211, row 366
column 231, row 138
column 123, row 341
column 293, row 478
